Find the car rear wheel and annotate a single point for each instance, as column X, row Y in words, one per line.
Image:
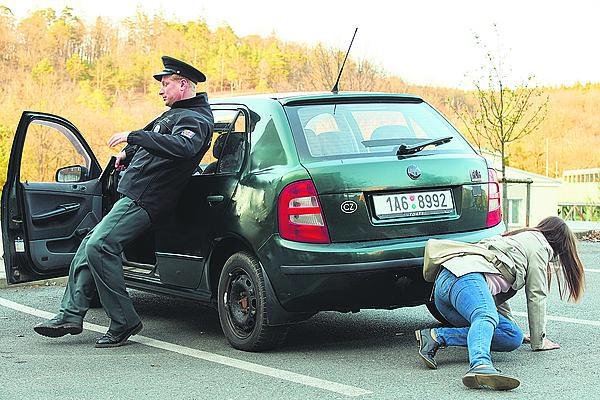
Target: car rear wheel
column 436, row 314
column 241, row 303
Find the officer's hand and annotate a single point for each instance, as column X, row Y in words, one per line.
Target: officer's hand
column 118, row 138
column 119, row 162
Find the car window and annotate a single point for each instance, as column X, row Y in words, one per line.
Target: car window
column 227, row 149
column 48, row 147
column 364, row 129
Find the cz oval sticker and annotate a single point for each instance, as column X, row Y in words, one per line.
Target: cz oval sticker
column 348, row 207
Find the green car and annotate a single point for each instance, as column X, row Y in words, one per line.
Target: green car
column 304, row 203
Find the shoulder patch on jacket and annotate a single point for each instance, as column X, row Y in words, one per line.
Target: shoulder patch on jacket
column 187, row 133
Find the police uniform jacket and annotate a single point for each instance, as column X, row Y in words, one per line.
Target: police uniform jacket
column 522, row 259
column 162, row 156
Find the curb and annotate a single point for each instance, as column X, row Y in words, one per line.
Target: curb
column 46, row 282
column 582, row 234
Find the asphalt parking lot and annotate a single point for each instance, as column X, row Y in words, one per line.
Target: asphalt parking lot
column 182, row 354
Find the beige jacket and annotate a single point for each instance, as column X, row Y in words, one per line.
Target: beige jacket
column 522, row 259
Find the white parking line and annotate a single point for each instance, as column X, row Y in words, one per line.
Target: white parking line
column 562, row 319
column 306, row 380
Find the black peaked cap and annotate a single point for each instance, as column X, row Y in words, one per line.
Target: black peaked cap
column 175, row 66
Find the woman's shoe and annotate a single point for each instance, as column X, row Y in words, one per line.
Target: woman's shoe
column 488, row 377
column 428, row 347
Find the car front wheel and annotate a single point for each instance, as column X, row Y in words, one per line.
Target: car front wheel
column 241, row 303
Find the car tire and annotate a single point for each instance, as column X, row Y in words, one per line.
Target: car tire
column 436, row 314
column 242, row 306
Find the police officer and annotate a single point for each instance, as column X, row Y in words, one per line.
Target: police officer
column 158, row 161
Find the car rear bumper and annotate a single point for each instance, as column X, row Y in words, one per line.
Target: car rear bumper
column 351, row 267
column 350, row 276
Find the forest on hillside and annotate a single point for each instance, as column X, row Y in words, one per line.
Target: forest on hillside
column 99, row 76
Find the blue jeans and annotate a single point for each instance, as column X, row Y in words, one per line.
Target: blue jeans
column 467, row 303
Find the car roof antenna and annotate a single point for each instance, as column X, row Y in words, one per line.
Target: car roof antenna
column 335, row 89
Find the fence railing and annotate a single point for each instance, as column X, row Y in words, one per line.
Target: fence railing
column 579, row 211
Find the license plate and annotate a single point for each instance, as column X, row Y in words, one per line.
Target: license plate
column 413, row 204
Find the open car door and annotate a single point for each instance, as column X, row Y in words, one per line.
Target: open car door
column 51, row 199
column 185, row 241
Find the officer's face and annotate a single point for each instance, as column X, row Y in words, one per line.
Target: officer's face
column 171, row 90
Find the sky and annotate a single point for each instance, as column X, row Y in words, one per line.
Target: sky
column 424, row 42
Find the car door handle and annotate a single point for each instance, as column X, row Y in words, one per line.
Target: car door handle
column 215, row 198
column 81, row 233
column 59, row 211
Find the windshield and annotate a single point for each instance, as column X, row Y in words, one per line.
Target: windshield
column 370, row 129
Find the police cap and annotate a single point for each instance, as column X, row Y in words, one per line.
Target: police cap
column 174, row 66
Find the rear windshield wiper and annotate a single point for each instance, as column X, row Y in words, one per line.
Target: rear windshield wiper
column 415, row 148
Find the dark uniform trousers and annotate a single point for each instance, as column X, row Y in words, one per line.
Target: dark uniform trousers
column 98, row 263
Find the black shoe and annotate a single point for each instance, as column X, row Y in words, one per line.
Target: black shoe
column 488, row 377
column 110, row 339
column 428, row 347
column 57, row 327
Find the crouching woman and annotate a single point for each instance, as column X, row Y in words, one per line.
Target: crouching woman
column 473, row 283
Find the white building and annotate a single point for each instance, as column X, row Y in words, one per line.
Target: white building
column 543, row 199
column 580, row 194
column 543, row 202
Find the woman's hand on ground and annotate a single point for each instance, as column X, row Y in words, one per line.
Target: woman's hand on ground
column 549, row 345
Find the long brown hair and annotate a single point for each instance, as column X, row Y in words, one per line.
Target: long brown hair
column 563, row 243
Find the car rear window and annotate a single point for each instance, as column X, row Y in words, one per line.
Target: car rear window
column 369, row 129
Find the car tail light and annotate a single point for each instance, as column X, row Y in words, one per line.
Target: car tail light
column 494, row 210
column 300, row 215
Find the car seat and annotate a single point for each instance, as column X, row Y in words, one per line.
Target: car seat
column 391, row 132
column 228, row 150
column 337, row 142
column 232, row 156
column 216, row 150
column 314, row 146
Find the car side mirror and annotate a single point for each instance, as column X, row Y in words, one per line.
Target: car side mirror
column 72, row 173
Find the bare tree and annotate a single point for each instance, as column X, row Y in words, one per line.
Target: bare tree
column 502, row 113
column 324, row 65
